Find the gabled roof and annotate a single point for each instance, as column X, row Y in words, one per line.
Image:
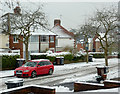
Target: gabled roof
column 37, row 32
column 61, row 31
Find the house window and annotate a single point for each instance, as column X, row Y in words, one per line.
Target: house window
column 34, row 38
column 15, row 40
column 51, row 38
column 43, row 38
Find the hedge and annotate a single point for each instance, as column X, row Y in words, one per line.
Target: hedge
column 9, row 62
column 69, row 58
column 98, row 55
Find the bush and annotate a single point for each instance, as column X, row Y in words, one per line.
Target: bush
column 51, row 58
column 119, row 55
column 68, row 57
column 9, row 62
column 79, row 58
column 98, row 55
column 38, row 57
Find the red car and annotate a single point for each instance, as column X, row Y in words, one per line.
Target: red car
column 33, row 68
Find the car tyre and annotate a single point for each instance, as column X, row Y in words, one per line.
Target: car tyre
column 50, row 72
column 33, row 74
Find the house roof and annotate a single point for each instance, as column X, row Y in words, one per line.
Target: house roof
column 37, row 32
column 61, row 31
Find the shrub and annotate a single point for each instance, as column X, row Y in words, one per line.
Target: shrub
column 38, row 57
column 51, row 58
column 98, row 55
column 68, row 57
column 79, row 58
column 119, row 55
column 9, row 62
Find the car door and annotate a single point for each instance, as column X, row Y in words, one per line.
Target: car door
column 41, row 68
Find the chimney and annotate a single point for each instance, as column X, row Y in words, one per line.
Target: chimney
column 57, row 21
column 17, row 10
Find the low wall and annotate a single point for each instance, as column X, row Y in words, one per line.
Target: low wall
column 111, row 84
column 107, row 84
column 32, row 89
column 86, row 86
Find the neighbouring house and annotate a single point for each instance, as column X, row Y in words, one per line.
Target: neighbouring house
column 64, row 38
column 81, row 44
column 4, row 43
column 40, row 41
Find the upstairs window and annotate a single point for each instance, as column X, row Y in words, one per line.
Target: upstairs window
column 15, row 39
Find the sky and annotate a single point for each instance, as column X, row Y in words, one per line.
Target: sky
column 72, row 13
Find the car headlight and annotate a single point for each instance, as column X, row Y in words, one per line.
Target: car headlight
column 26, row 71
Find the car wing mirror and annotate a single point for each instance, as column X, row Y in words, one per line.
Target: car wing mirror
column 38, row 65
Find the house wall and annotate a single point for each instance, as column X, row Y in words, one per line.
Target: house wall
column 16, row 46
column 4, row 41
column 79, row 46
column 34, row 46
column 44, row 46
column 63, row 42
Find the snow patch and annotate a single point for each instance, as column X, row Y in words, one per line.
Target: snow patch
column 62, row 89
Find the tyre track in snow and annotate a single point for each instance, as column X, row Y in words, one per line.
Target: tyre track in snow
column 51, row 80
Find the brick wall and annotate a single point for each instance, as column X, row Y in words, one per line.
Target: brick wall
column 86, row 86
column 111, row 84
column 16, row 46
column 31, row 90
column 81, row 86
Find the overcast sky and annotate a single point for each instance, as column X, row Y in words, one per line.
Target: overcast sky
column 72, row 14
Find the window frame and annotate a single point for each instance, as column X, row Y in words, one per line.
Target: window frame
column 15, row 40
column 52, row 39
column 44, row 37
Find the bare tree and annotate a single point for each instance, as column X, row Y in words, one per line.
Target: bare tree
column 106, row 19
column 23, row 24
column 87, row 32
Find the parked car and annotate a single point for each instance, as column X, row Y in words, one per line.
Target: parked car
column 33, row 68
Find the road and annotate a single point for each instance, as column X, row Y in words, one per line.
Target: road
column 58, row 78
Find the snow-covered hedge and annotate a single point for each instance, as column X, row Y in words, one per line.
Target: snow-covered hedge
column 52, row 56
column 8, row 60
column 9, row 54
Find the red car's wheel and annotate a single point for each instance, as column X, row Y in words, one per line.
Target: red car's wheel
column 50, row 72
column 33, row 74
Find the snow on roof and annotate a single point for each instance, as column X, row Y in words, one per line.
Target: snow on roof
column 60, row 32
column 9, row 54
column 37, row 32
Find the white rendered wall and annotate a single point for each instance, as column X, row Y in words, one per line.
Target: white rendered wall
column 63, row 42
column 44, row 46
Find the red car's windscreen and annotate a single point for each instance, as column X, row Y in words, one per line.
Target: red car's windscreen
column 30, row 64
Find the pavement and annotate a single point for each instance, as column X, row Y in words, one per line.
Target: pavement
column 6, row 73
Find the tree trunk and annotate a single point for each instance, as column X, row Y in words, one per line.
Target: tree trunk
column 87, row 56
column 26, row 49
column 106, row 57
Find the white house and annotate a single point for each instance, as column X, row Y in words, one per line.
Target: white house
column 64, row 38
